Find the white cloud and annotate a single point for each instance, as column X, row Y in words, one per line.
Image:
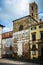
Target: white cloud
column 16, row 7
column 41, row 14
column 4, row 16
column 23, row 6
column 0, row 9
column 12, row 9
column 7, row 29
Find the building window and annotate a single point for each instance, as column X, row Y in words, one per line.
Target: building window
column 41, row 26
column 33, row 47
column 41, row 35
column 21, row 27
column 10, row 47
column 32, row 7
column 36, row 7
column 32, row 14
column 34, row 52
column 34, row 37
column 33, row 28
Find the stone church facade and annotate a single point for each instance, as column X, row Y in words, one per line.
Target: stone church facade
column 21, row 32
column 21, row 36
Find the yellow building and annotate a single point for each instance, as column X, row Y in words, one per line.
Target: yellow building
column 36, row 40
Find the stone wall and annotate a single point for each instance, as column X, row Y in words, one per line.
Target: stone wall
column 24, row 22
column 21, row 42
column 21, row 36
column 34, row 10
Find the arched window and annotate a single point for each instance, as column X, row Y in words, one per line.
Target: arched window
column 32, row 14
column 32, row 7
column 21, row 27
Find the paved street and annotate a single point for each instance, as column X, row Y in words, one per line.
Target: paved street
column 16, row 62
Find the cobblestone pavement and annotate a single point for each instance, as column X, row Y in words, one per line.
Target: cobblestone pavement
column 13, row 62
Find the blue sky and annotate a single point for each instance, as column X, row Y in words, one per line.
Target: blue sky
column 13, row 9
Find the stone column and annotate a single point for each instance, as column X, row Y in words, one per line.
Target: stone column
column 1, row 27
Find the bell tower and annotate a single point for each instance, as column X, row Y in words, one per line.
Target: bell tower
column 33, row 7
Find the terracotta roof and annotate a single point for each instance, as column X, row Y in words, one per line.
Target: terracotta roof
column 7, row 35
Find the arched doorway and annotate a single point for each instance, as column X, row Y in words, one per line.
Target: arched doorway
column 21, row 27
